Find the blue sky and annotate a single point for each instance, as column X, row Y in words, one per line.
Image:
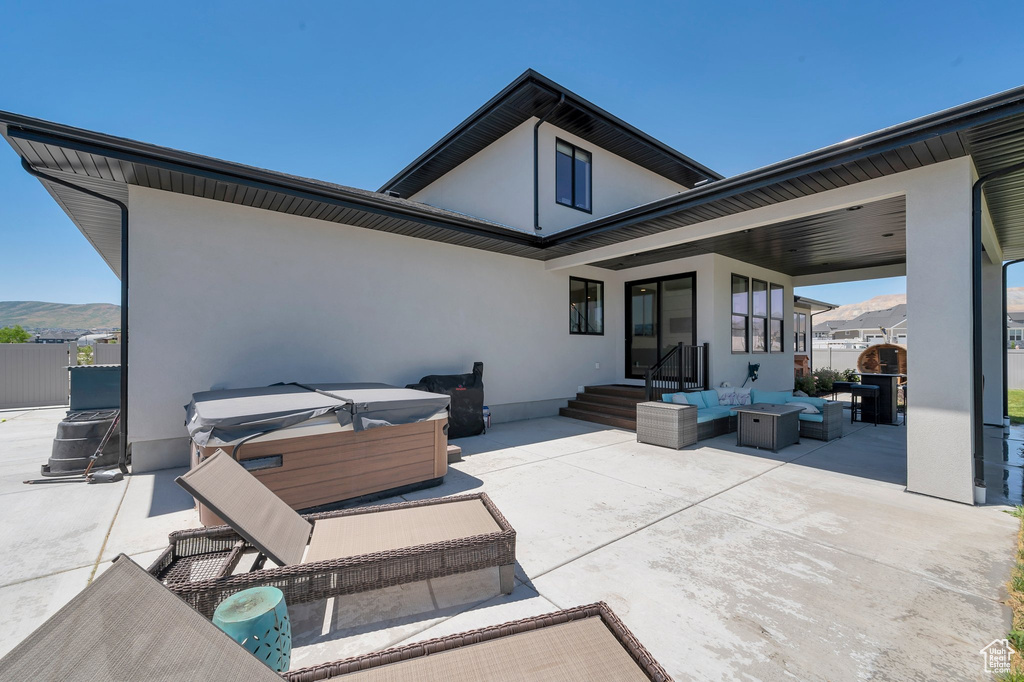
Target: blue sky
column 351, row 92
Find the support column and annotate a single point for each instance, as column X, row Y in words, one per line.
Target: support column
column 939, row 343
column 992, row 342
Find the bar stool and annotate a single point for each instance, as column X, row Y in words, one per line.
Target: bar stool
column 858, row 392
column 840, row 387
column 906, row 403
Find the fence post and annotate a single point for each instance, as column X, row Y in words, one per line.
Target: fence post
column 707, row 366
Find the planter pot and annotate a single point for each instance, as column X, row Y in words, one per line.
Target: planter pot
column 979, row 492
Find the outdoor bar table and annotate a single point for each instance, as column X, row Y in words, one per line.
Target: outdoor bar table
column 887, row 384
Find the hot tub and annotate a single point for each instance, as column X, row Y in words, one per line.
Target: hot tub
column 322, row 444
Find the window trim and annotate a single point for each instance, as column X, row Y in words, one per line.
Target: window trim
column 765, row 317
column 780, row 317
column 746, row 316
column 572, row 180
column 586, row 316
column 799, row 320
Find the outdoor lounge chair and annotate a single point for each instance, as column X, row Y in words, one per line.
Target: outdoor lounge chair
column 126, row 626
column 327, row 554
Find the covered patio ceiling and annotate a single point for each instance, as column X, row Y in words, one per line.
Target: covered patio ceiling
column 871, row 235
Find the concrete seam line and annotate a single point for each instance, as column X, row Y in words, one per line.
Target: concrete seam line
column 923, row 576
column 103, row 547
column 22, row 581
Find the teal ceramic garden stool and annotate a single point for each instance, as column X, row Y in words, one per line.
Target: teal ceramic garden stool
column 257, row 619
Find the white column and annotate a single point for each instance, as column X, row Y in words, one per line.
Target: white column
column 992, row 341
column 939, row 340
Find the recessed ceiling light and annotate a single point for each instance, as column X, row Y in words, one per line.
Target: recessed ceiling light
column 854, row 208
column 887, row 234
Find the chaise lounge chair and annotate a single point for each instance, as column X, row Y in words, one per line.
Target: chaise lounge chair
column 110, row 631
column 328, row 554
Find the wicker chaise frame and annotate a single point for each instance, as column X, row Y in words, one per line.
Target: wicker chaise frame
column 322, row 579
column 636, row 650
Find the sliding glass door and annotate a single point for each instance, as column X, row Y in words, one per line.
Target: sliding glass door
column 660, row 313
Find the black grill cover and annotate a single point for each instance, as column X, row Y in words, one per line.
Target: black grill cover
column 467, row 395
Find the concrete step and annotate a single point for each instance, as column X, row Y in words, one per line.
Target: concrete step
column 624, row 411
column 613, row 400
column 617, row 391
column 598, row 418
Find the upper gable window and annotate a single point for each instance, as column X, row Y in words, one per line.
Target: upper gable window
column 572, row 176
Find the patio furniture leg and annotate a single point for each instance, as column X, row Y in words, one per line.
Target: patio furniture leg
column 507, row 578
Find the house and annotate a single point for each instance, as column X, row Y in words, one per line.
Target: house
column 558, row 244
column 1015, row 330
column 54, row 336
column 804, row 310
column 877, row 326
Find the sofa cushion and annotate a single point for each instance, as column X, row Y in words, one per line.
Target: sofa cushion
column 710, row 398
column 804, row 417
column 807, row 407
column 703, row 417
column 716, row 412
column 773, row 397
column 817, row 402
column 694, row 399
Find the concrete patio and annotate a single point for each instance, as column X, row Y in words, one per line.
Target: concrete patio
column 726, row 562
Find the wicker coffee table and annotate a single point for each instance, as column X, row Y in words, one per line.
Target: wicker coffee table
column 763, row 425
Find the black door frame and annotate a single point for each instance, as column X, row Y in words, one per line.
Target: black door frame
column 628, row 303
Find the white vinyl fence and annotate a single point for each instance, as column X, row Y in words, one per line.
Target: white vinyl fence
column 106, row 354
column 34, row 374
column 1014, row 369
column 836, row 358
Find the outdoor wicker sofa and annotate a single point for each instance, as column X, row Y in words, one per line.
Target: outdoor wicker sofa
column 327, row 554
column 126, row 626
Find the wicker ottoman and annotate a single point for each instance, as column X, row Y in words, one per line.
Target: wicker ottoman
column 666, row 424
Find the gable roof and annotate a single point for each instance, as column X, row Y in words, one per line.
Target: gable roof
column 888, row 318
column 535, row 95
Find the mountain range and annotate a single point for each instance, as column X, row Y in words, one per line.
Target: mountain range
column 40, row 315
column 850, row 311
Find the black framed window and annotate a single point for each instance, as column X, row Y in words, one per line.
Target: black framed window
column 586, row 306
column 776, row 309
column 740, row 313
column 573, row 176
column 799, row 332
column 758, row 316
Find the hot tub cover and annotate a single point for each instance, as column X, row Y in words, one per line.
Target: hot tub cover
column 229, row 416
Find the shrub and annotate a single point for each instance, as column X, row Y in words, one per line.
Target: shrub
column 805, row 384
column 851, row 375
column 825, row 378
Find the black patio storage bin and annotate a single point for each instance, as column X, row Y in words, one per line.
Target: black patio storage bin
column 467, row 394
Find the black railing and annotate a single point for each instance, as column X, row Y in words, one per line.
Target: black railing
column 683, row 368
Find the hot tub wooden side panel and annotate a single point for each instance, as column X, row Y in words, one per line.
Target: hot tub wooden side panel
column 334, row 467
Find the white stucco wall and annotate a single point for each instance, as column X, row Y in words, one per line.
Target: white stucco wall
column 939, row 307
column 618, row 184
column 497, row 182
column 229, row 296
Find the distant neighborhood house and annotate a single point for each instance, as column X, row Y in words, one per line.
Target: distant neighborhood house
column 877, row 326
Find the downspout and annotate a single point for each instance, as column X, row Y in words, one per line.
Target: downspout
column 977, row 380
column 1006, row 340
column 536, row 162
column 122, row 458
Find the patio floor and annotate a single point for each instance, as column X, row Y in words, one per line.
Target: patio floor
column 725, row 562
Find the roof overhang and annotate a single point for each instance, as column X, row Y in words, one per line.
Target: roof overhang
column 813, row 304
column 990, row 130
column 534, row 96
